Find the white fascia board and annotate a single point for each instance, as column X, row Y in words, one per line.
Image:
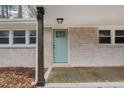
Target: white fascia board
column 19, row 20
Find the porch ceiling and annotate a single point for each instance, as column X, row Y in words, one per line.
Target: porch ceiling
column 84, row 15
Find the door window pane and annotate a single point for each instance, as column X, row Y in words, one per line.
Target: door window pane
column 60, row 34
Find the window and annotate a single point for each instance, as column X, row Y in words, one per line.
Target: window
column 19, row 37
column 119, row 36
column 4, row 37
column 104, row 36
column 60, row 34
column 33, row 37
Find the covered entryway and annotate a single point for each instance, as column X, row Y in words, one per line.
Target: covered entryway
column 84, row 47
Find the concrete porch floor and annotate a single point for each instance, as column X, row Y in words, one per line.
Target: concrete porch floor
column 86, row 74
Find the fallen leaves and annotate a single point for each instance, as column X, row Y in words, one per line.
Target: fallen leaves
column 16, row 78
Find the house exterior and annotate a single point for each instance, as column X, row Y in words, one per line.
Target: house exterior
column 13, row 52
column 95, row 38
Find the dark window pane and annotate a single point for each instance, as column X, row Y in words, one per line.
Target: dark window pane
column 32, row 40
column 4, row 40
column 33, row 37
column 57, row 34
column 33, row 33
column 105, row 40
column 60, row 34
column 4, row 33
column 104, row 33
column 19, row 33
column 19, row 41
column 119, row 33
column 119, row 39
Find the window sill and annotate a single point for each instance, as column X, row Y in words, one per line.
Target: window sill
column 118, row 45
column 17, row 46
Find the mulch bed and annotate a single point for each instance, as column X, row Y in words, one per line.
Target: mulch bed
column 25, row 71
column 16, row 77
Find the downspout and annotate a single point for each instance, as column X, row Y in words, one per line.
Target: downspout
column 39, row 74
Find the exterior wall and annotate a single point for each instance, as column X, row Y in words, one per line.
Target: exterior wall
column 48, row 47
column 85, row 50
column 24, row 56
column 18, row 25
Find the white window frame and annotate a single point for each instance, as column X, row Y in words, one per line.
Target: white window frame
column 27, row 37
column 11, row 44
column 113, row 29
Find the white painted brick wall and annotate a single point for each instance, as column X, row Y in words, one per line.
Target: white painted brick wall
column 24, row 56
column 85, row 51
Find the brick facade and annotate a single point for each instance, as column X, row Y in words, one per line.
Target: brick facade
column 85, row 50
column 26, row 56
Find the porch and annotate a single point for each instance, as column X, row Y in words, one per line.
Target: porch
column 86, row 77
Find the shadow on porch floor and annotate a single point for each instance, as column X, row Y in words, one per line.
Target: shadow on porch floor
column 86, row 74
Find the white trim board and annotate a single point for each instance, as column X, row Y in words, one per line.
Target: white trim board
column 86, row 85
column 47, row 73
column 19, row 20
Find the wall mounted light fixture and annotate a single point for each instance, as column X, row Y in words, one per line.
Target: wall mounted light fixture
column 60, row 20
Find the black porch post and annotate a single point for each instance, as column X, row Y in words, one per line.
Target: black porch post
column 40, row 50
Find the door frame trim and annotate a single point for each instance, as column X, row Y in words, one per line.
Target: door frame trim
column 53, row 49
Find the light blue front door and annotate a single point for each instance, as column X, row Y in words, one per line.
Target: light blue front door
column 60, row 46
